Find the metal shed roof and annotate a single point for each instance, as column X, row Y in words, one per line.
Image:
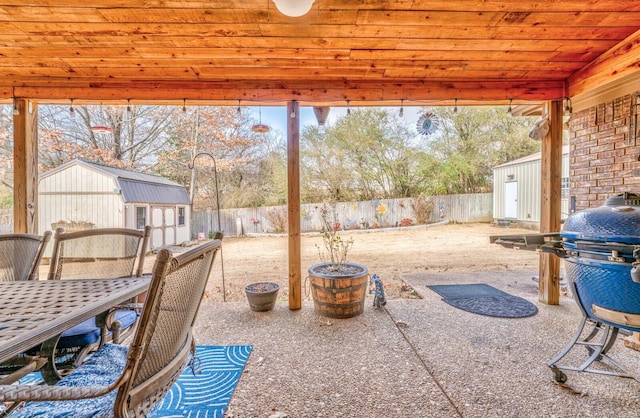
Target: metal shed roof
column 528, row 158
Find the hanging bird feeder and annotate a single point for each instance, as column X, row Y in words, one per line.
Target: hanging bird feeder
column 100, row 129
column 260, row 128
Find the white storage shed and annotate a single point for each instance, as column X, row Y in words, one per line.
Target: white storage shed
column 516, row 189
column 81, row 195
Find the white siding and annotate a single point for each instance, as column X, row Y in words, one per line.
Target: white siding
column 183, row 233
column 528, row 176
column 79, row 194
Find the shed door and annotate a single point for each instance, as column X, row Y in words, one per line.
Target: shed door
column 163, row 223
column 511, row 200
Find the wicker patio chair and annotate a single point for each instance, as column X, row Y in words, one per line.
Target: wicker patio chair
column 93, row 254
column 102, row 253
column 20, row 255
column 117, row 381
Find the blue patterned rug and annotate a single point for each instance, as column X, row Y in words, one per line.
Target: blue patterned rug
column 205, row 394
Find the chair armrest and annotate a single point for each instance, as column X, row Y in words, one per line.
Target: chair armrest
column 129, row 305
column 17, row 393
column 105, row 369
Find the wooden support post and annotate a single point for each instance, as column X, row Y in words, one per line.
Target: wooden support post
column 293, row 176
column 551, row 166
column 25, row 167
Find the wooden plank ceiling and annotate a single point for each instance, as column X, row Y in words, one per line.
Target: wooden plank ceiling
column 364, row 51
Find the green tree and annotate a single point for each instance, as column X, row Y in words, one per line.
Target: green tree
column 365, row 155
column 469, row 143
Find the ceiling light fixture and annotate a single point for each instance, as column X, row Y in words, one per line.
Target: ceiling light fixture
column 455, row 105
column 239, row 110
column 128, row 105
column 72, row 111
column 184, row 105
column 294, row 8
column 510, row 108
column 401, row 113
column 568, row 109
column 348, row 108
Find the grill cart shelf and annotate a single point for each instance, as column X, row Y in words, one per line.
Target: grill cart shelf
column 601, row 249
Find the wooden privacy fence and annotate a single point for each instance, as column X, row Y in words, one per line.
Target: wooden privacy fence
column 380, row 213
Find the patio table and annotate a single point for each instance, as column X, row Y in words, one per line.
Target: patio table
column 32, row 312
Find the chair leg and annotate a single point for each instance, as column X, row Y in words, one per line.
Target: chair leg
column 59, row 363
column 49, row 371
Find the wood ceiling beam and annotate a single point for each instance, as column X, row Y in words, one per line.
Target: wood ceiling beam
column 332, row 75
column 360, row 92
column 460, row 5
column 231, row 15
column 59, row 45
column 79, row 34
column 151, row 55
column 225, row 67
column 620, row 61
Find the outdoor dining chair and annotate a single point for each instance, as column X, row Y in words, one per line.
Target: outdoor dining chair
column 102, row 253
column 20, row 256
column 119, row 381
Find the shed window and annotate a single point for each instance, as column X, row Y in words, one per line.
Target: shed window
column 180, row 216
column 141, row 217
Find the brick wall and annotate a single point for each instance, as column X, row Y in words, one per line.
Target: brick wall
column 604, row 157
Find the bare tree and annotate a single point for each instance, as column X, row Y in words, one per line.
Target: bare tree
column 126, row 136
column 238, row 153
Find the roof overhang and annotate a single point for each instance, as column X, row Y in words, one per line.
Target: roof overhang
column 222, row 52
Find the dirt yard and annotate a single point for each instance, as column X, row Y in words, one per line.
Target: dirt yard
column 388, row 253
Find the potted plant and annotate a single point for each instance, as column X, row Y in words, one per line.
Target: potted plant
column 262, row 295
column 338, row 287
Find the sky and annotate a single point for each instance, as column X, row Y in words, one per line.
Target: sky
column 276, row 117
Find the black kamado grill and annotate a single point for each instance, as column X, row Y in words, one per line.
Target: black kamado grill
column 601, row 249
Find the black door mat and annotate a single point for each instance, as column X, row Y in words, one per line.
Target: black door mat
column 483, row 299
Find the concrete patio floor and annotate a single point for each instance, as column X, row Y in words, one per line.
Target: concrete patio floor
column 415, row 358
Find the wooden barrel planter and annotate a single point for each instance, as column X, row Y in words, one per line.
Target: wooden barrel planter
column 338, row 294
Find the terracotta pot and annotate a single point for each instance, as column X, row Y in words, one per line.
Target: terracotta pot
column 338, row 293
column 262, row 295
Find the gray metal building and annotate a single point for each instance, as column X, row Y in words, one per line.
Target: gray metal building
column 516, row 189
